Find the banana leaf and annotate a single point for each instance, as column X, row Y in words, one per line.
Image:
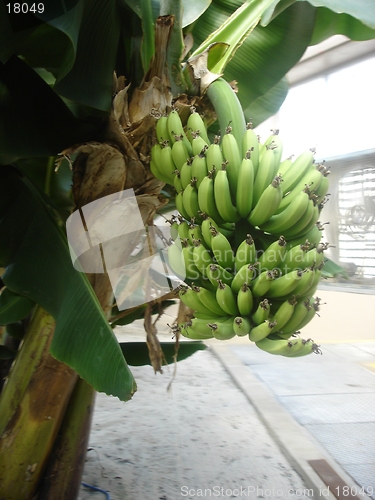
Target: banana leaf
column 37, row 262
column 333, row 270
column 279, row 41
column 34, row 120
column 137, row 354
column 82, row 47
column 13, row 307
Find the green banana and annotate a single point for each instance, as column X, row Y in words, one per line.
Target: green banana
column 314, row 235
column 285, row 220
column 232, row 157
column 241, row 326
column 245, row 300
column 226, row 299
column 243, row 276
column 198, row 144
column 285, row 284
column 185, row 173
column 176, row 129
column 174, row 225
column 191, row 299
column 267, row 204
column 309, row 181
column 301, row 347
column 312, row 308
column 166, row 160
column 206, row 198
column 190, row 199
column 177, row 181
column 300, row 311
column 315, row 282
column 180, row 205
column 176, row 260
column 223, row 197
column 285, row 165
column 162, row 129
column 278, row 347
column 309, row 218
column 264, row 175
column 206, row 230
column 315, row 256
column 195, row 233
column 262, row 312
column 180, row 154
column 297, row 170
column 289, row 348
column 216, row 273
column 250, row 142
column 199, row 167
column 284, row 313
column 277, row 148
column 196, row 124
column 305, row 282
column 206, row 226
column 227, row 107
column 244, row 194
column 159, row 174
column 183, row 228
column 261, row 331
column 273, row 255
column 261, row 284
column 295, row 256
column 272, row 142
column 222, row 249
column 323, row 187
column 312, row 179
column 214, row 156
column 246, row 253
column 209, row 300
column 191, row 270
column 202, row 257
column 312, row 223
column 196, row 329
column 157, row 167
column 223, row 330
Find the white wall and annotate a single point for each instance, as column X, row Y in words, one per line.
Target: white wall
column 345, row 317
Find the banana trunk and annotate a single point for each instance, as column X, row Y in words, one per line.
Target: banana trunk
column 30, row 426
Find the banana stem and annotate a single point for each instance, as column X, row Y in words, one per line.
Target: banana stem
column 37, row 412
column 227, row 107
column 62, row 477
column 34, row 348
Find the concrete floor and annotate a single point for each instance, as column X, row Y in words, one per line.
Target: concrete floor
column 239, row 417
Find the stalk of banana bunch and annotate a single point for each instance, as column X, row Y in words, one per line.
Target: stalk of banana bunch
column 248, row 224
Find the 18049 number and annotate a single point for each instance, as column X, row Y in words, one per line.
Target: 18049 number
column 24, row 8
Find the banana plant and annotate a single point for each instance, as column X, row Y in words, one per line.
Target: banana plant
column 85, row 78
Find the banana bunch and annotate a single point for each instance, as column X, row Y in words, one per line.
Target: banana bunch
column 258, row 292
column 251, row 254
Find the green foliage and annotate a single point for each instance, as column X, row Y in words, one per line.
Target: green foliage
column 13, row 307
column 136, row 353
column 56, row 87
column 35, row 253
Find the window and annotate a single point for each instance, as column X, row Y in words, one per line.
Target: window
column 334, row 113
column 351, row 213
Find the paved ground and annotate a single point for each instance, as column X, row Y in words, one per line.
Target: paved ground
column 332, row 396
column 239, row 418
column 204, row 438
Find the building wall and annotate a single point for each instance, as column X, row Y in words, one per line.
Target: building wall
column 345, row 317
